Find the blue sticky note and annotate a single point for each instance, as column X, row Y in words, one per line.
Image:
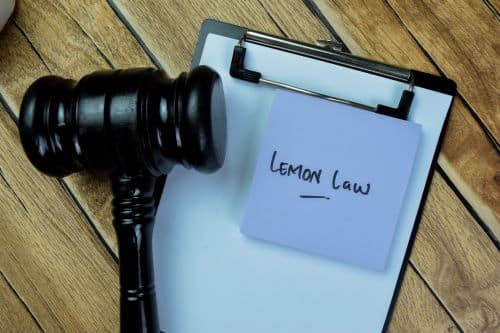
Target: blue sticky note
column 330, row 179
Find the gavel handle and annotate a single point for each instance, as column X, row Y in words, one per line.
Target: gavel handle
column 134, row 213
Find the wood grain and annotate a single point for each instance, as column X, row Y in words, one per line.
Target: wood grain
column 63, row 40
column 296, row 21
column 422, row 314
column 112, row 39
column 458, row 261
column 14, row 317
column 50, row 254
column 462, row 39
column 467, row 156
column 157, row 23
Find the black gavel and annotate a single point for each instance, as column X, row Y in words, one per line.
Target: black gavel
column 134, row 124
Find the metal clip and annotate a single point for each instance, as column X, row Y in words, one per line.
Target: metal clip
column 238, row 71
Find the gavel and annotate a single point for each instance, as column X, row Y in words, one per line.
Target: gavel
column 134, row 125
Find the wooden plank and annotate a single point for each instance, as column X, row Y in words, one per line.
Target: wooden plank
column 458, row 261
column 462, row 39
column 17, row 68
column 420, row 314
column 107, row 32
column 136, row 15
column 473, row 262
column 473, row 165
column 296, row 21
column 64, row 45
column 14, row 317
column 465, row 144
column 170, row 28
column 49, row 252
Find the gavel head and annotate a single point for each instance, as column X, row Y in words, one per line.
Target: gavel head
column 134, row 121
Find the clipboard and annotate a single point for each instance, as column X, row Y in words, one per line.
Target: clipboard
column 211, row 278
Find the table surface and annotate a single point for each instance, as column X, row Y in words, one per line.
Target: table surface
column 59, row 261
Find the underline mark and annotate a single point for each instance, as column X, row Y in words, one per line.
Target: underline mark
column 314, row 197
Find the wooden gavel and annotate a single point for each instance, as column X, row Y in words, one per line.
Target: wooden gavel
column 134, row 124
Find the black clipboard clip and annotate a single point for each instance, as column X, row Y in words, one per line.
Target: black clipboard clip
column 238, row 71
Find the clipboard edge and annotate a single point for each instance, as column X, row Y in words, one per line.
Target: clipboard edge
column 209, row 26
column 418, row 217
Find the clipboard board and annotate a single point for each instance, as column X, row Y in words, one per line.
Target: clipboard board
column 211, row 278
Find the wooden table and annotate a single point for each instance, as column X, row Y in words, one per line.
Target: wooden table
column 58, row 253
